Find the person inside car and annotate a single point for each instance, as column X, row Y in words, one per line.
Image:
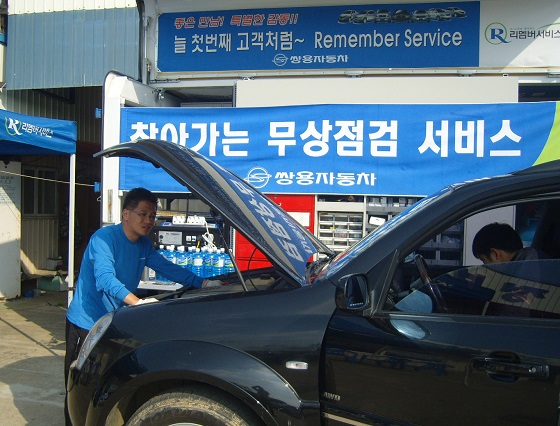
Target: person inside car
column 499, row 242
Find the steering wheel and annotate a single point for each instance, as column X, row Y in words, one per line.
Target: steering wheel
column 422, row 267
column 433, row 289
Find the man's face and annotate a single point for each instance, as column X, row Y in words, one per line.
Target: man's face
column 139, row 221
column 496, row 256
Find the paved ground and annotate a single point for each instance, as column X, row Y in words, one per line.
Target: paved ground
column 32, row 360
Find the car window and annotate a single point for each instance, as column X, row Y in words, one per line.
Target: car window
column 529, row 288
column 441, row 275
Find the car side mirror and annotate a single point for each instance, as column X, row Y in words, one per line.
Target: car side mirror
column 352, row 293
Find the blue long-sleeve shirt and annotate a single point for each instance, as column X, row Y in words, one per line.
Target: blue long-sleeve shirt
column 111, row 269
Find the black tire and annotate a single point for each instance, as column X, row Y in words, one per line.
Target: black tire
column 192, row 406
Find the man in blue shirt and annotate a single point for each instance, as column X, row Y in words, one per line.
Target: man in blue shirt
column 112, row 266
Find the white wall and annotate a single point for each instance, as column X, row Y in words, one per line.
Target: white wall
column 374, row 90
column 10, row 230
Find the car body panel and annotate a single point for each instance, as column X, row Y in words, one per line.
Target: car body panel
column 401, row 358
column 290, row 326
column 285, row 241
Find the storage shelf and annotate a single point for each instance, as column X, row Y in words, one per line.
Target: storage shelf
column 341, row 229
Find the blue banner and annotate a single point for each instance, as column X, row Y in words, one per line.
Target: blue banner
column 349, row 149
column 420, row 35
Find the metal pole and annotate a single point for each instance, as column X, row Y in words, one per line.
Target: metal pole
column 71, row 221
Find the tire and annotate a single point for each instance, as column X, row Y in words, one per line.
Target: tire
column 192, row 407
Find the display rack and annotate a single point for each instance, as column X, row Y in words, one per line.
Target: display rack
column 380, row 209
column 446, row 249
column 340, row 224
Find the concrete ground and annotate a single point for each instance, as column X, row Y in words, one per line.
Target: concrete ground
column 32, row 350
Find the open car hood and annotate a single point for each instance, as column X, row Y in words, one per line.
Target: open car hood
column 286, row 243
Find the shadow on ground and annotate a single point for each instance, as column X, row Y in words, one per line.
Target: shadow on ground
column 32, row 359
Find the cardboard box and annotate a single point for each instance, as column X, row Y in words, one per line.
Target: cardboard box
column 56, row 283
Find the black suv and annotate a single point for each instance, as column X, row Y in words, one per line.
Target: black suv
column 399, row 329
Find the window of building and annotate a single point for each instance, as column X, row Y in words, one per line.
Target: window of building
column 40, row 192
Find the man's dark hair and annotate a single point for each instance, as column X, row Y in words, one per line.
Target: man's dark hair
column 136, row 195
column 498, row 236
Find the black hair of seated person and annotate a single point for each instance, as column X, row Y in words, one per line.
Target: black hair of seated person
column 498, row 236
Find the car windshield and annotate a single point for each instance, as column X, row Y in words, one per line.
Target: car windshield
column 408, row 214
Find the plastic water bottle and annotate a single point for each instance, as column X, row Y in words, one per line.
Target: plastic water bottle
column 197, row 263
column 190, row 254
column 209, row 263
column 161, row 251
column 204, row 252
column 181, row 256
column 169, row 254
column 228, row 263
column 217, row 262
column 210, row 272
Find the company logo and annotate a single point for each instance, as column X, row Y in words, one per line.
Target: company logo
column 13, row 127
column 496, row 33
column 280, row 60
column 18, row 128
column 258, row 177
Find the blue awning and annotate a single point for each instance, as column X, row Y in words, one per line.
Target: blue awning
column 22, row 135
column 27, row 135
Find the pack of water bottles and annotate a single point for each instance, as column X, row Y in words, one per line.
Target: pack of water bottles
column 205, row 262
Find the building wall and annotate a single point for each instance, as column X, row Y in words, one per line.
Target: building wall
column 74, row 48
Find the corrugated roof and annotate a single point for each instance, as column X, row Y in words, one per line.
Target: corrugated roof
column 71, row 49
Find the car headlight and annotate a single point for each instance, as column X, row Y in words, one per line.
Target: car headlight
column 96, row 333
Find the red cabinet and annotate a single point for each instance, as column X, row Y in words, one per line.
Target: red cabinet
column 301, row 207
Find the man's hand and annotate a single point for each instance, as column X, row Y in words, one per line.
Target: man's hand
column 211, row 283
column 146, row 300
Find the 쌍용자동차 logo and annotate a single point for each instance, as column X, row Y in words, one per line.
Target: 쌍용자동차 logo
column 258, row 177
column 280, row 60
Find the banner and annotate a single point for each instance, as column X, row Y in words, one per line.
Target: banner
column 419, row 35
column 349, row 149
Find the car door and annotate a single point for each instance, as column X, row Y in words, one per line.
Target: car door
column 488, row 352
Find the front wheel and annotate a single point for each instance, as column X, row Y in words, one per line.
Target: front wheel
column 193, row 407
